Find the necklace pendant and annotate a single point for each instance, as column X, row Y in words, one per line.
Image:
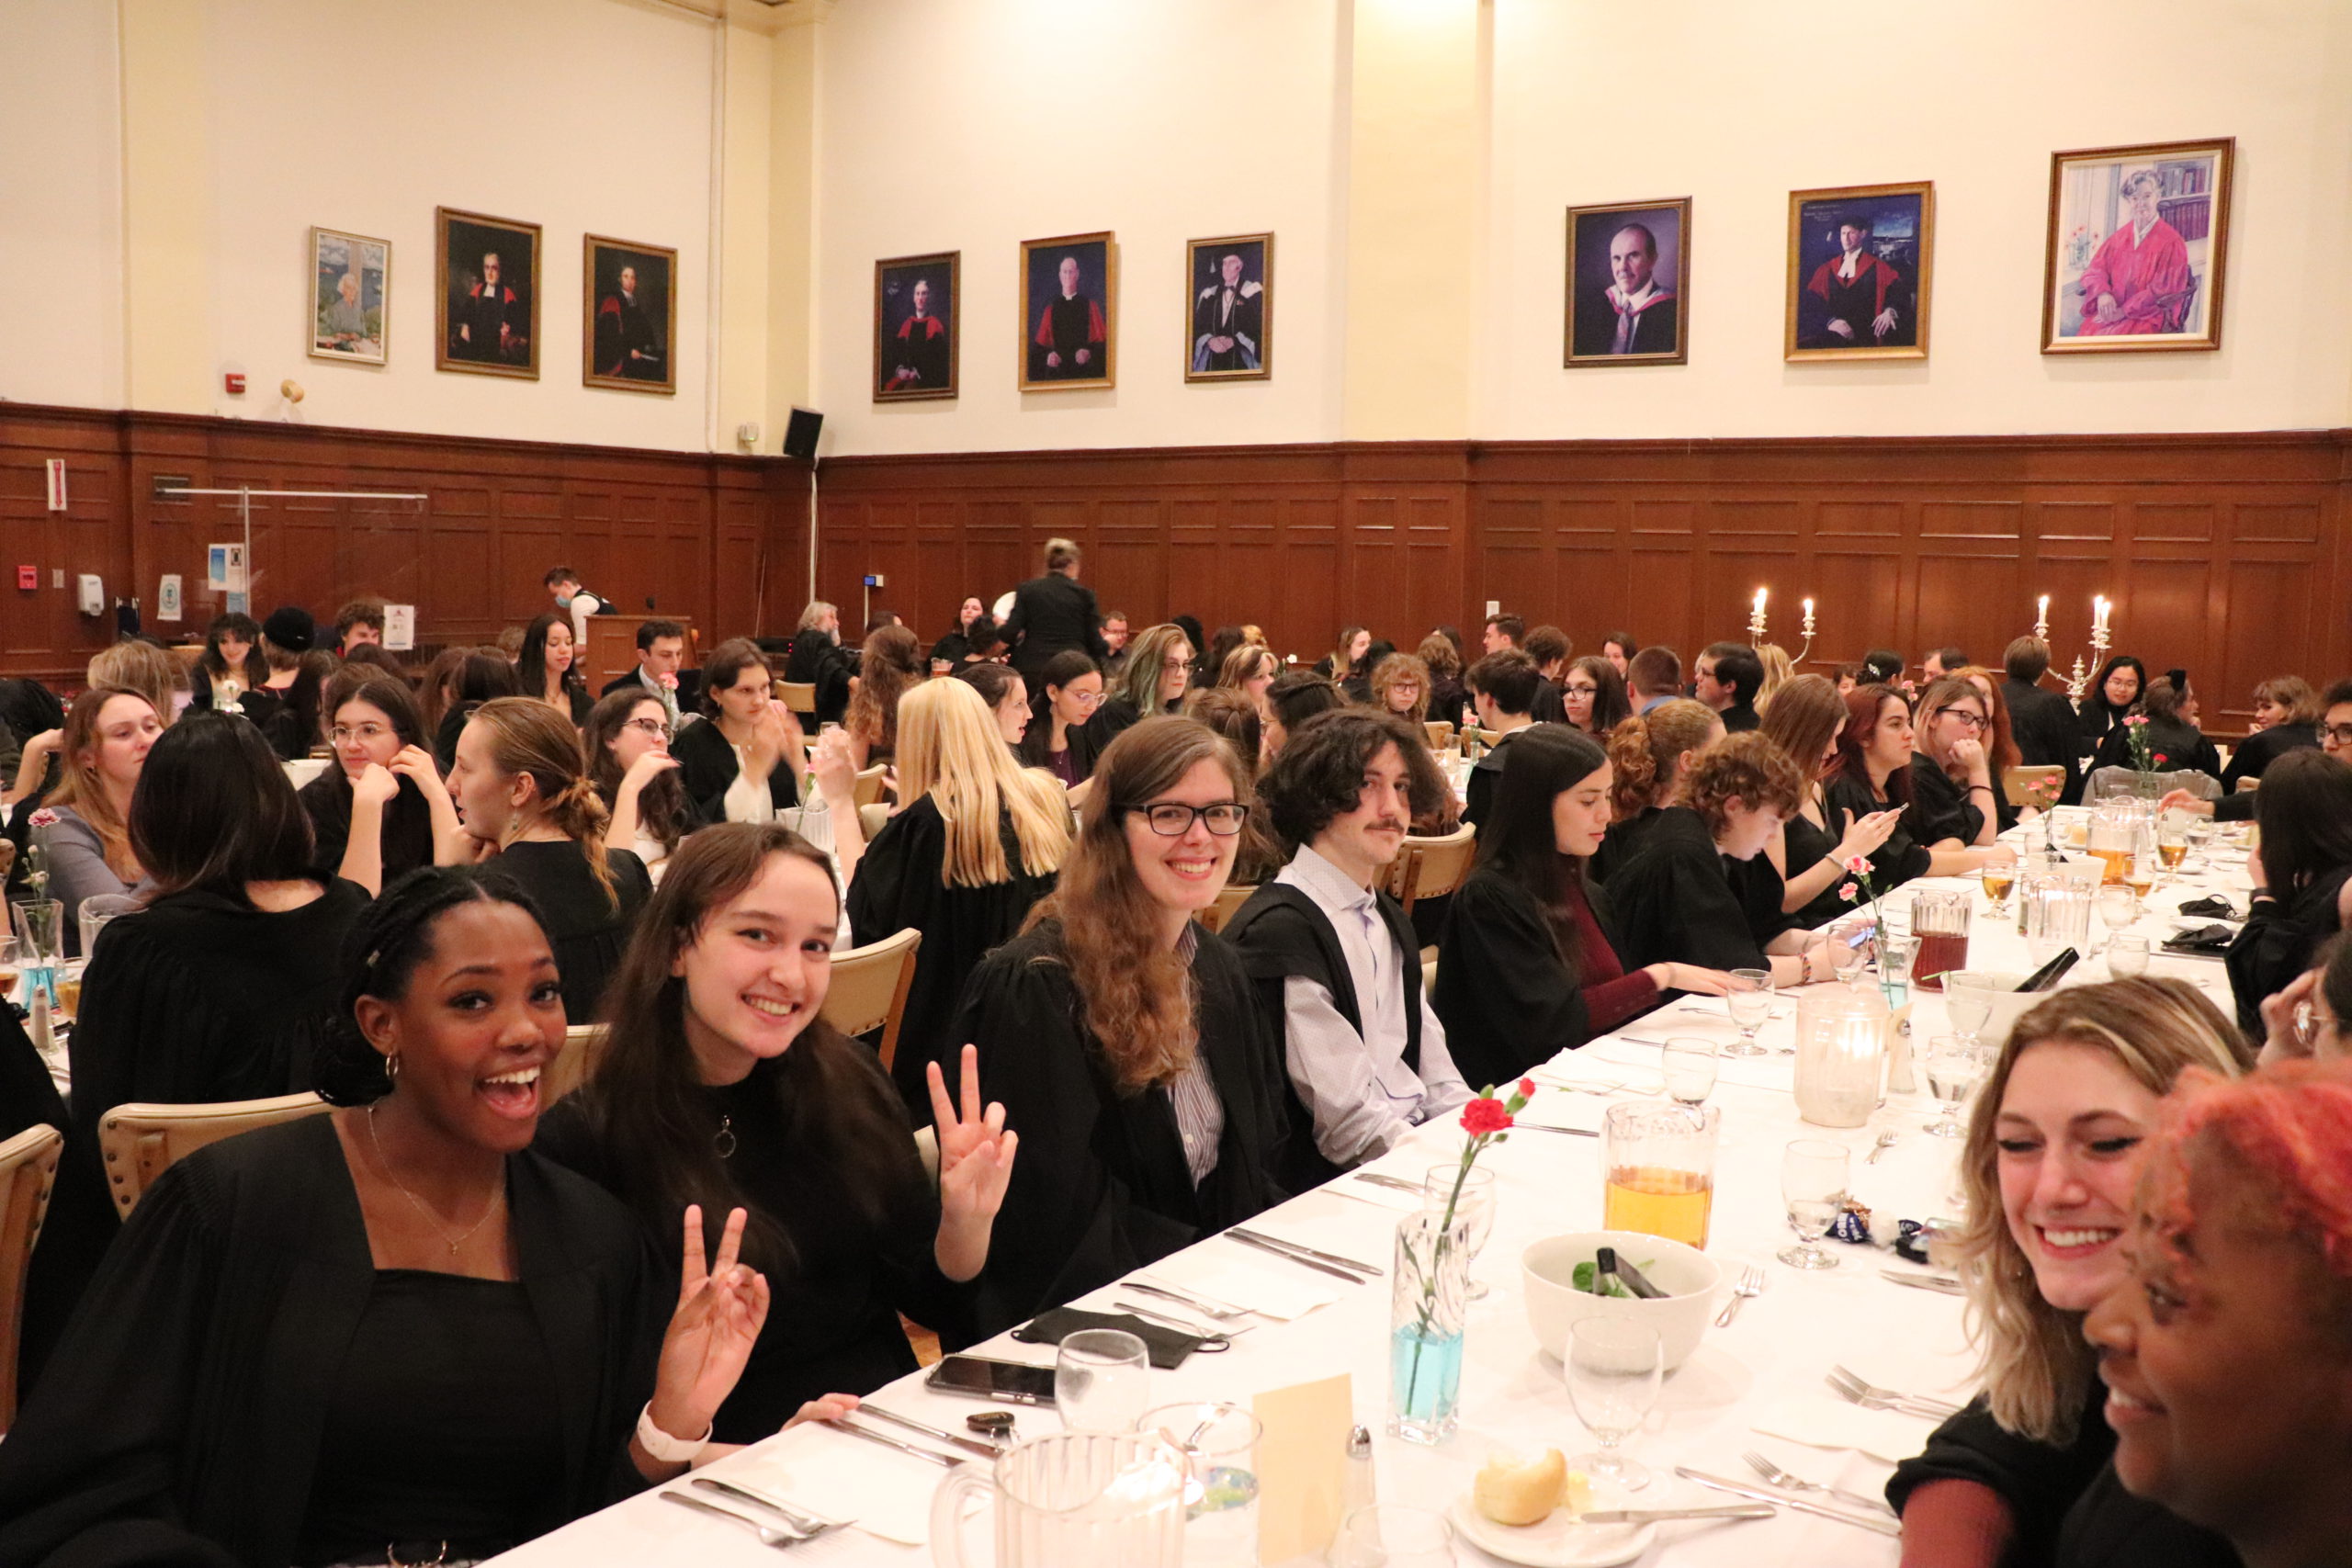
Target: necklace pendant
column 724, row 1141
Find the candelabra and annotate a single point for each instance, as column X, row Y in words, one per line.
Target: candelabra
column 2101, row 637
column 1808, row 629
column 1756, row 619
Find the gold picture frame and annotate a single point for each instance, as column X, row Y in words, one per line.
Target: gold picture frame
column 2176, row 268
column 1892, row 277
column 463, row 243
column 1249, row 352
column 1590, row 327
column 360, row 331
column 628, row 343
column 905, row 370
column 1068, row 362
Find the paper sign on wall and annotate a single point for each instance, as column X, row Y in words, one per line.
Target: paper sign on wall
column 400, row 627
column 224, row 568
column 167, row 598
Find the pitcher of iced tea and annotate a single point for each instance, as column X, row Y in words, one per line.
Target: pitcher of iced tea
column 1940, row 924
column 1659, row 1160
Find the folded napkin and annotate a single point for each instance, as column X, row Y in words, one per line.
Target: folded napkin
column 1220, row 1276
column 842, row 1478
column 1824, row 1421
column 2215, row 907
column 2210, row 941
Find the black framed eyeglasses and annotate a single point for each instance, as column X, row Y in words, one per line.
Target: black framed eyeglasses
column 1973, row 720
column 1170, row 820
column 2339, row 733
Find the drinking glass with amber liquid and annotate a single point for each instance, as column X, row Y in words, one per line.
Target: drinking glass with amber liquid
column 1659, row 1160
column 1998, row 880
column 2172, row 846
column 2141, row 877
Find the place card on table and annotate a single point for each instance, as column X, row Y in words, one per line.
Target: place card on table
column 1302, row 1466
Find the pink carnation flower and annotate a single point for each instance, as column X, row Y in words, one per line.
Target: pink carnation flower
column 45, row 818
column 1849, row 893
column 1856, row 866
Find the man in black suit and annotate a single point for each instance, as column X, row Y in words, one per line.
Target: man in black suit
column 1050, row 613
column 2042, row 723
column 660, row 648
column 818, row 659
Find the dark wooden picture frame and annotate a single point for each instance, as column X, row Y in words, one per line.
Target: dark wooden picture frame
column 1591, row 284
column 461, row 243
column 2170, row 274
column 1898, row 269
column 629, row 342
column 1069, row 364
column 916, row 362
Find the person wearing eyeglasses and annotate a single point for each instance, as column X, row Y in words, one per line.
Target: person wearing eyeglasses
column 376, row 815
column 2335, row 739
column 1062, row 737
column 1333, row 958
column 1122, row 1037
column 1157, row 675
column 626, row 739
column 2169, row 705
column 1953, row 802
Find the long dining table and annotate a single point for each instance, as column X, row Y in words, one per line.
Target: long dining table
column 1757, row 1385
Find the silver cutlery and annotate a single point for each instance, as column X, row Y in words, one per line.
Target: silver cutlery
column 953, row 1439
column 809, row 1524
column 1378, row 1179
column 1802, row 1506
column 1304, row 1250
column 1942, row 1283
column 1656, row 1515
column 1871, row 1397
column 1751, row 1283
column 870, row 1435
column 1198, row 1331
column 1886, row 1140
column 1564, row 1132
column 1298, row 1257
column 768, row 1535
column 1207, row 1306
column 1795, row 1483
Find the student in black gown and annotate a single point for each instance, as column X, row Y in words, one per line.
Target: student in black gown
column 1063, row 737
column 2286, row 714
column 1052, row 612
column 1953, row 801
column 947, row 655
column 528, row 806
column 818, row 659
column 1005, row 694
column 723, row 1086
column 889, row 666
column 1808, row 859
column 2169, row 707
column 1157, row 673
column 2303, row 813
column 747, row 736
column 1123, row 1038
column 1875, row 772
column 1675, row 897
column 377, row 813
column 548, row 668
column 211, row 992
column 2121, row 682
column 627, row 741
column 1650, row 756
column 1528, row 966
column 974, row 848
column 481, row 676
column 393, row 1323
column 232, row 655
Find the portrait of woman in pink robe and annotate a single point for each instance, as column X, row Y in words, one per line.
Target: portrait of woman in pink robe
column 2139, row 281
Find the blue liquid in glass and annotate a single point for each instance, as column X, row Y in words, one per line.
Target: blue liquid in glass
column 1424, row 1397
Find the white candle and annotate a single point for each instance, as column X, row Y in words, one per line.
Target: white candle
column 2041, row 613
column 1759, row 600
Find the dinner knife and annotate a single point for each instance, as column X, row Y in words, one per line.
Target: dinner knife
column 1654, row 1516
column 1298, row 1257
column 1379, row 1179
column 1564, row 1132
column 1941, row 1284
column 1153, row 1315
column 1883, row 1526
column 1207, row 1306
column 969, row 1445
column 1332, row 1258
column 871, row 1435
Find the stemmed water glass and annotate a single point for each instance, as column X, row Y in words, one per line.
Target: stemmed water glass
column 1954, row 1066
column 1690, row 1070
column 2118, row 906
column 2198, row 834
column 1849, row 948
column 1750, row 1001
column 1614, row 1365
column 1813, row 1184
column 1476, row 1205
column 1101, row 1381
column 1968, row 1001
column 2172, row 845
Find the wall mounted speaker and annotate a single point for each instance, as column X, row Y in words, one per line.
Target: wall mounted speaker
column 800, row 433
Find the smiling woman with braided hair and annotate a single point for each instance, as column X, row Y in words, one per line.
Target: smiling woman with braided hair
column 525, row 800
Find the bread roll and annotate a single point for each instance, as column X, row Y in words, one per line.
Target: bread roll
column 1515, row 1490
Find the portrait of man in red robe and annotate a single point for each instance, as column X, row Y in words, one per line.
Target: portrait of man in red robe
column 1857, row 299
column 2139, row 279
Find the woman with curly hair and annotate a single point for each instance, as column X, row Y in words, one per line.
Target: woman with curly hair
column 1677, row 902
column 2053, row 1154
column 1400, row 684
column 1449, row 698
column 1123, row 1039
column 890, row 665
column 1649, row 756
column 231, row 663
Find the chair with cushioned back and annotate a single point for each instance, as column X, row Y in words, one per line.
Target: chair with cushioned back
column 138, row 1143
column 869, row 790
column 1432, row 867
column 27, row 1171
column 2202, row 784
column 868, row 990
column 583, row 1047
column 2019, row 785
column 1229, row 904
column 871, row 818
column 1440, row 732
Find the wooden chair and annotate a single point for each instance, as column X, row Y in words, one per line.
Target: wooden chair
column 139, row 1143
column 1432, row 867
column 27, row 1171
column 1440, row 731
column 869, row 990
column 1476, row 740
column 801, row 696
column 583, row 1048
column 868, row 791
column 1229, row 904
column 870, row 818
column 2018, row 785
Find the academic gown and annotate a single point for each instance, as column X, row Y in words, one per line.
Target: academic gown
column 1067, row 324
column 2148, row 276
column 2180, row 745
column 587, row 928
column 818, row 660
column 1101, row 1187
column 918, row 357
column 1899, row 860
column 2264, row 746
column 1508, row 1001
column 1674, row 901
column 2277, row 943
column 407, row 827
column 708, row 767
column 1940, row 809
column 194, row 1390
column 1081, row 742
column 1876, row 286
column 897, row 886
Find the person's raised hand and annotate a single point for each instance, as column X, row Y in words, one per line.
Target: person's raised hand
column 976, row 1151
column 835, row 769
column 720, row 1311
column 1968, row 754
column 2181, row 800
column 376, row 785
column 2281, row 1019
column 1866, row 833
column 645, row 770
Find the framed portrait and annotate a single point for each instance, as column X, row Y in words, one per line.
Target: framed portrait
column 916, row 329
column 351, row 283
column 487, row 310
column 629, row 295
column 1230, row 309
column 2137, row 236
column 1861, row 259
column 1070, row 289
column 1628, row 266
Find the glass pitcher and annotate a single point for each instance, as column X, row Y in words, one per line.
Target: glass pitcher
column 1073, row 1498
column 1842, row 1039
column 1940, row 925
column 2114, row 836
column 1658, row 1164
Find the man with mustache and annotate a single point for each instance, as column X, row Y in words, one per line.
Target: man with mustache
column 1333, row 958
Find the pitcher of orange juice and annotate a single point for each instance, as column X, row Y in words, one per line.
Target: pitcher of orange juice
column 1659, row 1160
column 2114, row 836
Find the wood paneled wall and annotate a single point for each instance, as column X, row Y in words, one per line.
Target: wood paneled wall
column 690, row 532
column 2224, row 553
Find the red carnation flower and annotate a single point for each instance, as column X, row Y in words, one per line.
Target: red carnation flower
column 2162, row 758
column 1483, row 1116
column 1527, row 1088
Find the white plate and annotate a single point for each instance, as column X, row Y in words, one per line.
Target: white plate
column 1559, row 1541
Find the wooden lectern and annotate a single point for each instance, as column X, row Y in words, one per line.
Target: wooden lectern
column 612, row 647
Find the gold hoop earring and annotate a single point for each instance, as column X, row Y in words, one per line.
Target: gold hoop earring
column 392, row 1067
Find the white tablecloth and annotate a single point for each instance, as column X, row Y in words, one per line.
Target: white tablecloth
column 1772, row 1360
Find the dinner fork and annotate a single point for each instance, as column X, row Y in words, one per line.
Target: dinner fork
column 809, row 1524
column 1219, row 1312
column 780, row 1540
column 1751, row 1283
column 1871, row 1397
column 1795, row 1483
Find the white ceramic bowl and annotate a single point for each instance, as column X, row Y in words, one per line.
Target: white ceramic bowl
column 1690, row 1277
column 2009, row 1004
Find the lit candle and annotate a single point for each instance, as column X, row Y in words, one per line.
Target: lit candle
column 1759, row 600
column 2042, row 610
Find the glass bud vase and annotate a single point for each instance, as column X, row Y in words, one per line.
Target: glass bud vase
column 1427, row 1305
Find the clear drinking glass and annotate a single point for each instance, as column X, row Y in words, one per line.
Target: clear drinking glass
column 1954, row 1066
column 2198, row 834
column 9, row 974
column 1813, row 1184
column 1968, row 1001
column 1221, row 1494
column 1750, row 1001
column 2127, row 956
column 1614, row 1365
column 1690, row 1070
column 2172, row 843
column 1474, row 1207
column 1101, row 1381
column 1849, row 948
column 1388, row 1535
column 2117, row 907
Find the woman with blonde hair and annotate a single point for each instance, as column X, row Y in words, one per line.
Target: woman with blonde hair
column 143, row 668
column 525, row 801
column 2053, row 1156
column 890, row 666
column 1809, row 855
column 2286, row 714
column 1779, row 670
column 1648, row 756
column 977, row 844
column 1249, row 668
column 1123, row 1039
column 83, row 826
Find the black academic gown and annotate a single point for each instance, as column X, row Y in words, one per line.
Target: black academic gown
column 2264, row 746
column 587, row 928
column 2048, row 731
column 1506, row 1001
column 1083, row 743
column 1940, row 809
column 1101, row 1188
column 1486, row 776
column 1902, row 858
column 897, row 886
column 2180, row 745
column 194, row 1390
column 1675, row 902
column 1050, row 614
column 706, row 767
column 407, row 832
column 2278, row 941
column 818, row 660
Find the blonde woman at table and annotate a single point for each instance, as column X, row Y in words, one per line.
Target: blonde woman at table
column 2053, row 1155
column 83, row 821
column 391, row 1333
column 377, row 813
column 1809, row 855
column 1123, row 1039
column 724, row 1088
